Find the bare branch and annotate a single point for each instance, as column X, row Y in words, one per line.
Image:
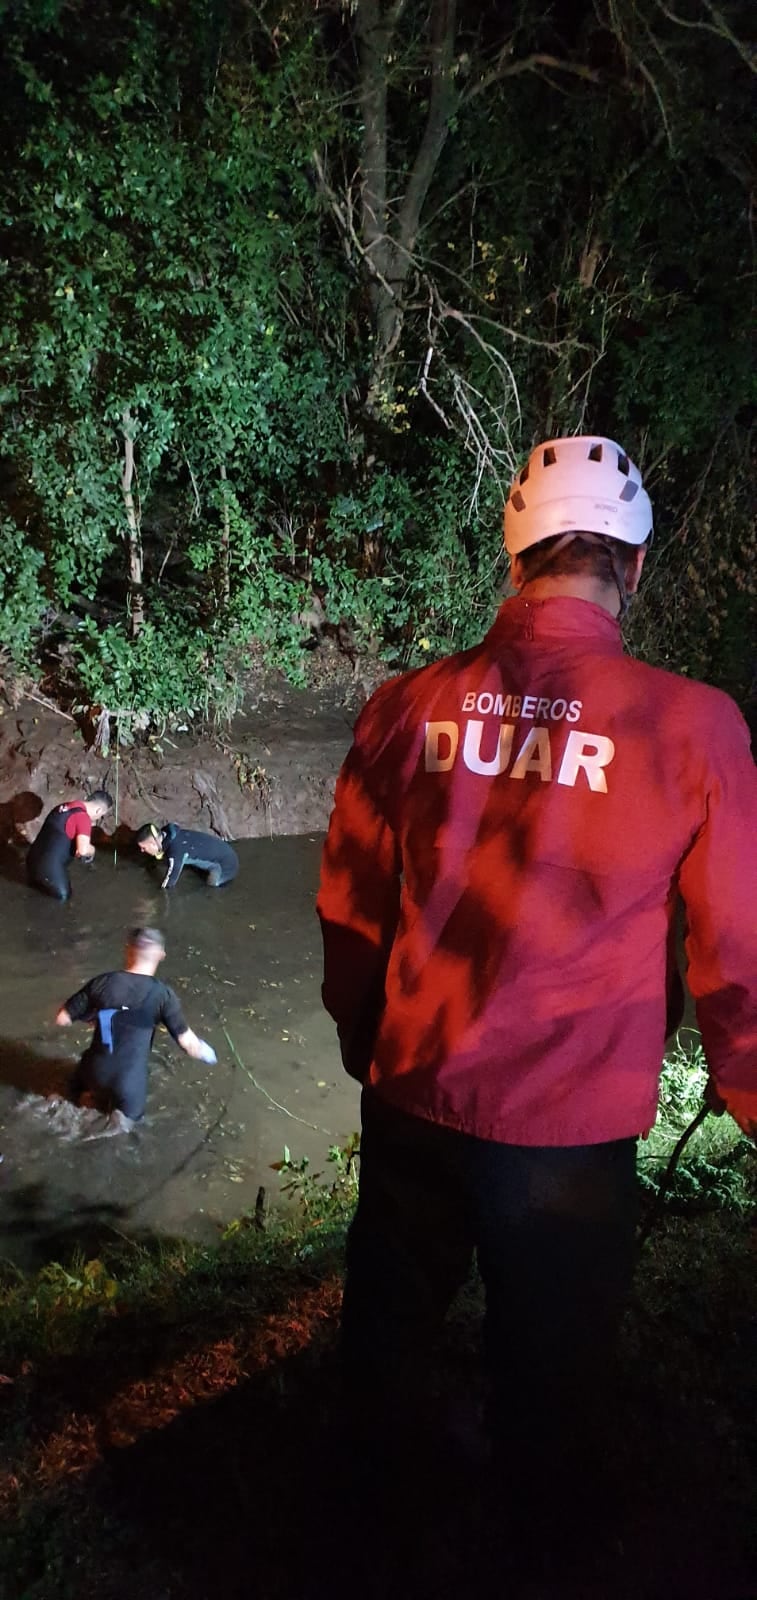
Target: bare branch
column 346, row 225
column 747, row 55
column 648, row 78
column 197, row 506
column 557, row 345
column 616, row 19
column 166, row 559
column 454, row 199
column 424, row 389
column 335, row 206
column 133, row 528
column 699, row 486
column 505, row 68
column 484, row 425
column 718, row 27
column 629, row 170
column 496, row 356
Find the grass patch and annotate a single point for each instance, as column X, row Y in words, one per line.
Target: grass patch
column 101, row 1357
column 172, row 1428
column 717, row 1168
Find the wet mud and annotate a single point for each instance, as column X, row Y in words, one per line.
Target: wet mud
column 245, row 962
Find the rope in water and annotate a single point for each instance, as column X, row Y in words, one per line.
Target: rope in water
column 269, row 1097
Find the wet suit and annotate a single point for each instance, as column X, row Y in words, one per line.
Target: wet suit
column 181, row 849
column 49, row 855
column 126, row 1008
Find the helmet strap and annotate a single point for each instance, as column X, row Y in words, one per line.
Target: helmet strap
column 620, row 584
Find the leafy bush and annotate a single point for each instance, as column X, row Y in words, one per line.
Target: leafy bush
column 432, row 567
column 22, row 599
column 167, row 669
column 716, row 1168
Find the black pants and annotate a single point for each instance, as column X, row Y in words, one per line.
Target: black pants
column 115, row 1086
column 51, row 878
column 553, row 1233
column 219, row 875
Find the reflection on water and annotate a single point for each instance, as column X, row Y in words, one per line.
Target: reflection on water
column 245, row 961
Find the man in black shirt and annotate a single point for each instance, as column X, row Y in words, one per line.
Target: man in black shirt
column 125, row 1008
column 177, row 848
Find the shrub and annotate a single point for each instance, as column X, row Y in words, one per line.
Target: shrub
column 712, row 1171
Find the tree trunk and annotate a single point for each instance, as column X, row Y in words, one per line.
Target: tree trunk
column 389, row 241
column 225, row 539
column 133, row 534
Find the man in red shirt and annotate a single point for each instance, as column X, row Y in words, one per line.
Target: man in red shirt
column 511, row 830
column 65, row 832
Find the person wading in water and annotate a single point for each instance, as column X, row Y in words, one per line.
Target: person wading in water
column 65, row 832
column 125, row 1008
column 177, row 848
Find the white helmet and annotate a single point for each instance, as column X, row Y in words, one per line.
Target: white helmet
column 582, row 484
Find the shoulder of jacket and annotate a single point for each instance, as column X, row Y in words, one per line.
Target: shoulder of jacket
column 691, row 690
column 393, row 698
column 699, row 705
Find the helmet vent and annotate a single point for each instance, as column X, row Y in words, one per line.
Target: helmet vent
column 524, row 474
column 624, row 466
column 595, row 453
column 550, row 456
column 517, row 502
column 629, row 490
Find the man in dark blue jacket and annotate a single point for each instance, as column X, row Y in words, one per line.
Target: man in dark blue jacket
column 177, row 848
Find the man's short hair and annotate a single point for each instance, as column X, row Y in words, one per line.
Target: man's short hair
column 145, row 939
column 148, row 830
column 101, row 798
column 583, row 554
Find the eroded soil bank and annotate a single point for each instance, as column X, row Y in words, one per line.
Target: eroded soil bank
column 270, row 772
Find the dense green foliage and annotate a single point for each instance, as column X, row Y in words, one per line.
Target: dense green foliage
column 716, row 1168
column 215, row 403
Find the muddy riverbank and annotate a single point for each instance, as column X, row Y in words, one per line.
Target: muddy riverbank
column 270, row 772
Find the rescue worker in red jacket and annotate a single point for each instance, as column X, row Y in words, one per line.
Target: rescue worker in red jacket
column 511, row 830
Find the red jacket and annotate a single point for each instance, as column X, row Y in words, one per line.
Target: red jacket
column 511, row 828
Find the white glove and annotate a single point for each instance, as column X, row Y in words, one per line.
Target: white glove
column 207, row 1053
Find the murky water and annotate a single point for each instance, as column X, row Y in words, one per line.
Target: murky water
column 245, row 958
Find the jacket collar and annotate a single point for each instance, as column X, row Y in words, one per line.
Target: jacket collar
column 559, row 618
